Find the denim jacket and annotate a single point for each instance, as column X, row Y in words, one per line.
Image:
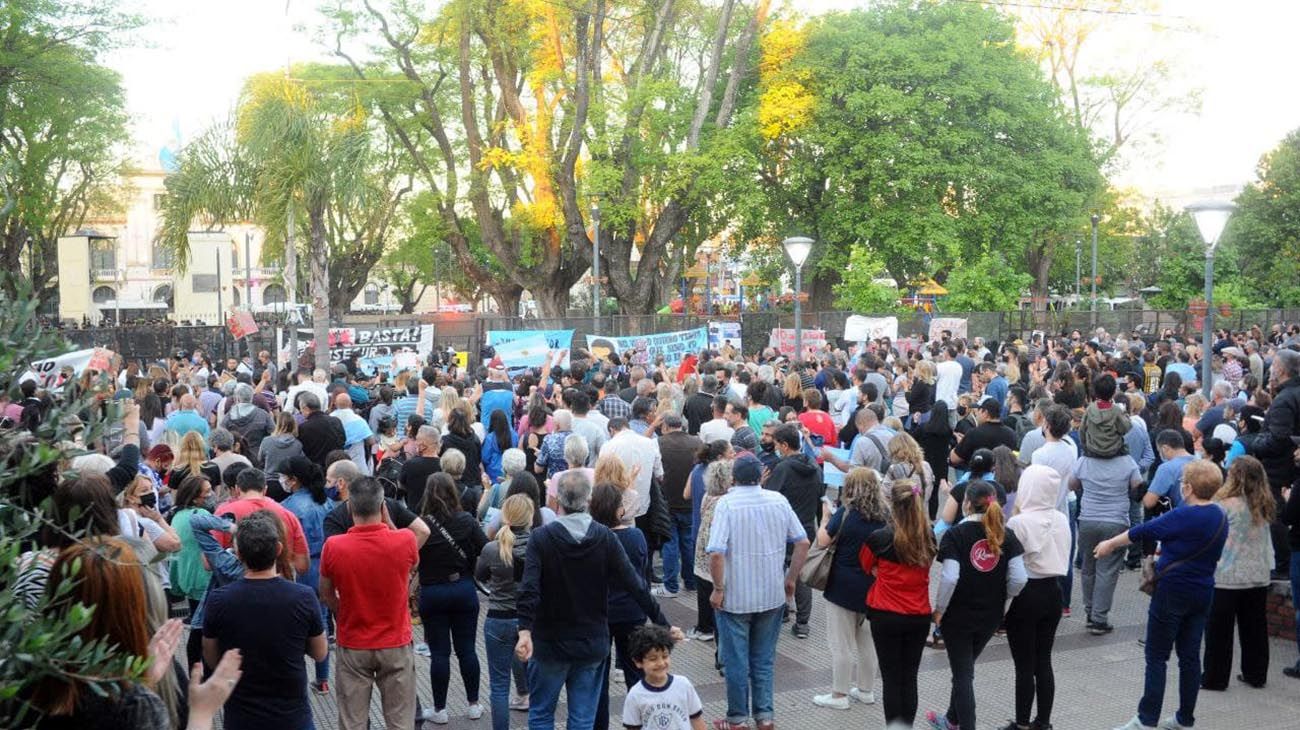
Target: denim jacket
column 226, row 568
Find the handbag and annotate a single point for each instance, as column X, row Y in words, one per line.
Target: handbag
column 456, row 546
column 1151, row 577
column 816, row 570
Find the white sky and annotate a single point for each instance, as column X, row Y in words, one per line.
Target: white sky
column 196, row 53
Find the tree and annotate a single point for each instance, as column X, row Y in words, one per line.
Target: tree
column 916, row 131
column 288, row 150
column 1265, row 230
column 861, row 291
column 519, row 115
column 63, row 127
column 989, row 284
column 42, row 642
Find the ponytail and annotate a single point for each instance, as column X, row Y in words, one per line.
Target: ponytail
column 516, row 513
column 983, row 499
column 913, row 539
column 315, row 484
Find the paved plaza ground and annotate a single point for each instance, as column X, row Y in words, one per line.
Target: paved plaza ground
column 1098, row 680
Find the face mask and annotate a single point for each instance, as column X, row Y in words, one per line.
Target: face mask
column 149, row 500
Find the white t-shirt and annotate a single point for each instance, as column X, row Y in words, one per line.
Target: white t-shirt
column 670, row 707
column 1059, row 455
column 946, row 382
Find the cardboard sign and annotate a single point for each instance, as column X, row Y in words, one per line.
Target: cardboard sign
column 647, row 348
column 783, row 341
column 955, row 325
column 858, row 328
column 241, row 324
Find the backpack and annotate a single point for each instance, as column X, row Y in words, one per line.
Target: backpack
column 390, row 473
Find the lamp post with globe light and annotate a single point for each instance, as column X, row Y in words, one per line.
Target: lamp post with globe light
column 798, row 248
column 1210, row 217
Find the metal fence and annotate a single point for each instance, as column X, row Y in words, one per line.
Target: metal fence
column 468, row 332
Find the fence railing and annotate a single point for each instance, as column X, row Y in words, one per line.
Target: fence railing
column 468, row 332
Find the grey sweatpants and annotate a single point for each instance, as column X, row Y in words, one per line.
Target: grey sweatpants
column 1099, row 577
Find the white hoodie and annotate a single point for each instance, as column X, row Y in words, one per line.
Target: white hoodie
column 1041, row 528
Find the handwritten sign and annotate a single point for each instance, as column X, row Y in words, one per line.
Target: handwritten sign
column 858, row 328
column 955, row 325
column 673, row 346
column 783, row 340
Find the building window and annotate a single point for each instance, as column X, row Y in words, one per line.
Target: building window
column 163, row 295
column 372, row 295
column 273, row 294
column 103, row 254
column 163, row 256
column 103, row 294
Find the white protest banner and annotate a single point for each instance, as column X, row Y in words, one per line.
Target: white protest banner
column 673, row 346
column 46, row 372
column 783, row 341
column 955, row 325
column 858, row 328
column 367, row 342
column 722, row 332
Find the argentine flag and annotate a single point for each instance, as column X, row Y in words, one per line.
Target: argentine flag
column 527, row 352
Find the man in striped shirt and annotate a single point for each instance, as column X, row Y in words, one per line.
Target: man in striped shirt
column 747, row 541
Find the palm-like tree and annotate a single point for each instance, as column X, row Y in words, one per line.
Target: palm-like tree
column 285, row 152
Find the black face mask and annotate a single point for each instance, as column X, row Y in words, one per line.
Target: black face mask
column 961, row 411
column 149, row 500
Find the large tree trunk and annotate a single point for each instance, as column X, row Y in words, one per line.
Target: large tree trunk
column 551, row 302
column 1039, row 258
column 507, row 298
column 320, row 284
column 821, row 290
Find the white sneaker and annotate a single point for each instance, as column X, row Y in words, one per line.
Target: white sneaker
column 660, row 592
column 1171, row 723
column 866, row 697
column 1135, row 724
column 519, row 703
column 437, row 717
column 421, row 649
column 697, row 635
column 475, row 711
column 831, row 701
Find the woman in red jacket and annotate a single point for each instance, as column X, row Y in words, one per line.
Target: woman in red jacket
column 898, row 604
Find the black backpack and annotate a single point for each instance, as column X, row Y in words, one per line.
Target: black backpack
column 389, row 474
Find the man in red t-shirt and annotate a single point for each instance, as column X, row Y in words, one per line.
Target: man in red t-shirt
column 364, row 574
column 251, row 484
column 818, row 422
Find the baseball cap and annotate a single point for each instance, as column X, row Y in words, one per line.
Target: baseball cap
column 747, row 470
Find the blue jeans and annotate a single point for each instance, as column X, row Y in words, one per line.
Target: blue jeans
column 450, row 615
column 499, row 638
column 679, row 553
column 580, row 679
column 747, row 648
column 312, row 579
column 1174, row 621
column 1295, row 594
column 1067, row 580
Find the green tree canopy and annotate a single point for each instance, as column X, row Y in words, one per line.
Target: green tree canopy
column 1265, row 229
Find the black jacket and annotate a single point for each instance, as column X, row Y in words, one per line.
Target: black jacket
column 1273, row 447
column 697, row 410
column 473, row 450
column 320, row 434
column 799, row 480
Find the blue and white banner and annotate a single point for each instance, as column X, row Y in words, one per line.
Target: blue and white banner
column 525, row 352
column 646, row 349
column 557, row 340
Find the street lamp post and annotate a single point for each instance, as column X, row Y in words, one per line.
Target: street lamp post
column 595, row 266
column 1095, row 219
column 1210, row 219
column 798, row 248
column 1078, row 269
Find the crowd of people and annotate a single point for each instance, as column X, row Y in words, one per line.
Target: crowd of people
column 323, row 530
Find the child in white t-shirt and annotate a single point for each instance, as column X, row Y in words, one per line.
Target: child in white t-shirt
column 660, row 701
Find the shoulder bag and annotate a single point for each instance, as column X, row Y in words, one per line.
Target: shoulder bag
column 816, row 570
column 1151, row 577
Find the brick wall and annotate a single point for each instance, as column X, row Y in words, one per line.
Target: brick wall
column 1281, row 612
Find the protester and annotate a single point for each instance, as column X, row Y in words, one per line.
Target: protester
column 318, row 432
column 363, row 581
column 500, row 566
column 1191, row 538
column 797, row 478
column 1033, row 616
column 308, row 502
column 862, row 511
column 678, row 450
column 747, row 539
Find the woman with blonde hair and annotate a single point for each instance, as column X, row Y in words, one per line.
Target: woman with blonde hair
column 898, row 557
column 907, row 461
column 862, row 511
column 611, row 470
column 792, row 392
column 1241, row 579
column 499, row 568
column 192, row 458
column 920, row 396
column 982, row 567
